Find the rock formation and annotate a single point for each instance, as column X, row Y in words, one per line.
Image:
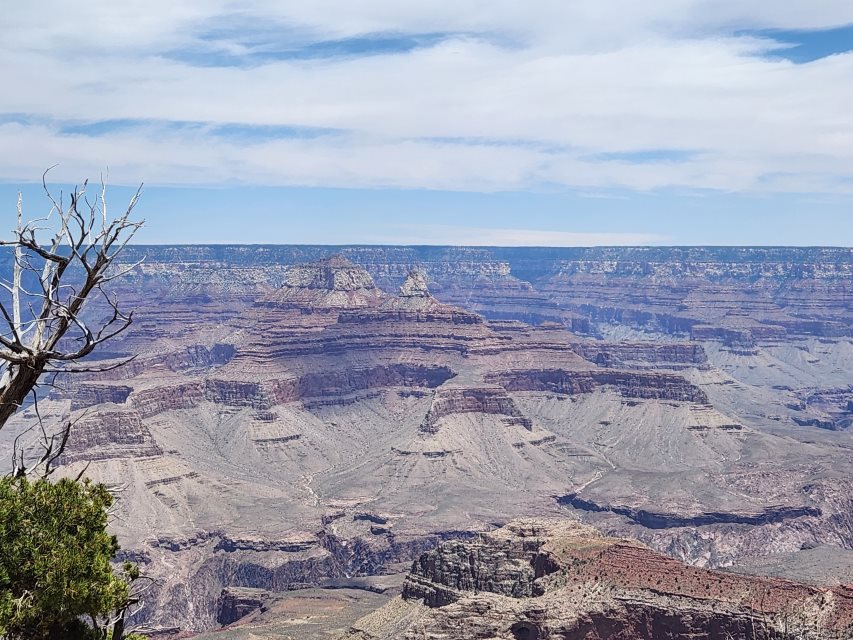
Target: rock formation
column 451, row 401
column 658, row 386
column 537, row 579
column 236, row 603
column 335, row 283
column 293, row 417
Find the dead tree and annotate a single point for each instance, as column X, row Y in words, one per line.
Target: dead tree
column 61, row 262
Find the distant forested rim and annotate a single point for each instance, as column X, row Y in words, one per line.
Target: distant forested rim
column 365, row 254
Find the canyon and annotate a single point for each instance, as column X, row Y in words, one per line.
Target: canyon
column 311, row 419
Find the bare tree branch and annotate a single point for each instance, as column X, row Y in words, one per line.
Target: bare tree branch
column 47, row 328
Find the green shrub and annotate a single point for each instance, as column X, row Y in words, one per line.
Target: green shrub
column 56, row 575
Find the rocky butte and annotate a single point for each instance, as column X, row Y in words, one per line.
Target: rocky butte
column 538, row 580
column 301, row 424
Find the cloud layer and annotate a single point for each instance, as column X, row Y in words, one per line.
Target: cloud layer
column 480, row 96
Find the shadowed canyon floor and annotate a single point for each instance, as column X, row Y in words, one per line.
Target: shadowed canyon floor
column 300, row 415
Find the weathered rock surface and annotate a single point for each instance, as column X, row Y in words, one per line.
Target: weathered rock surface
column 335, row 283
column 751, row 292
column 110, row 434
column 643, row 354
column 238, row 602
column 495, row 401
column 658, row 386
column 537, row 579
column 738, row 296
column 291, row 424
column 414, row 304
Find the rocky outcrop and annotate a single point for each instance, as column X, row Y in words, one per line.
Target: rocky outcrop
column 415, row 287
column 413, row 320
column 331, row 284
column 237, row 602
column 643, row 354
column 296, row 545
column 487, row 400
column 537, row 579
column 657, row 386
column 90, row 394
column 269, row 393
column 153, row 400
column 506, row 567
column 414, row 304
column 330, row 385
column 110, row 434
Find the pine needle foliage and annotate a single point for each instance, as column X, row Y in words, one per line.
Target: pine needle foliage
column 57, row 579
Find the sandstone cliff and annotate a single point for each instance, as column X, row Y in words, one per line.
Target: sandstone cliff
column 535, row 580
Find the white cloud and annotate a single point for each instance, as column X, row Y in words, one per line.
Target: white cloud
column 579, row 79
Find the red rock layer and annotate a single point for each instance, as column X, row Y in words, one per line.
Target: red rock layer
column 657, row 386
column 558, row 575
column 493, row 401
column 110, row 434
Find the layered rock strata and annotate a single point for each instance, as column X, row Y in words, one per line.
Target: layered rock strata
column 238, row 602
column 538, row 579
column 662, row 520
column 491, row 401
column 315, row 424
column 658, row 386
column 335, row 283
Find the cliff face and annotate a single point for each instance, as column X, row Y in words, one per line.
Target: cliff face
column 640, row 355
column 446, row 402
column 111, row 434
column 294, row 416
column 657, row 386
column 738, row 296
column 238, row 602
column 557, row 579
column 335, row 283
column 268, row 393
column 732, row 294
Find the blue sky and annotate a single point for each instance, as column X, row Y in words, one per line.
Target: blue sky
column 474, row 122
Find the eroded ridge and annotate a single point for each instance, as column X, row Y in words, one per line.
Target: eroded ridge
column 546, row 579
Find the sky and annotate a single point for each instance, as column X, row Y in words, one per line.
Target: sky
column 546, row 122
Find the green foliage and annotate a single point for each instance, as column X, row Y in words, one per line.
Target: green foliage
column 55, row 560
